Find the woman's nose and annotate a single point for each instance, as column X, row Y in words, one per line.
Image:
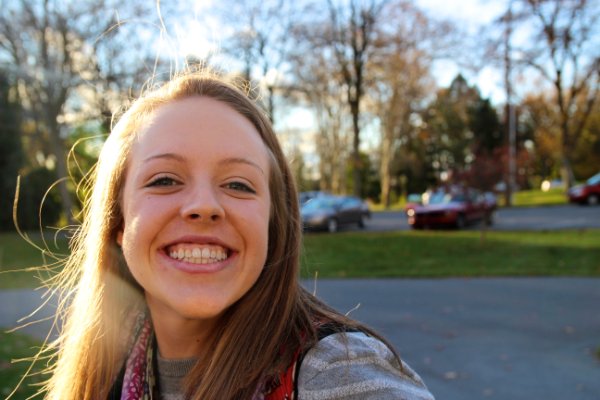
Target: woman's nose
column 202, row 205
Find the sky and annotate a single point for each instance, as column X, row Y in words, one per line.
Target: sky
column 201, row 35
column 470, row 15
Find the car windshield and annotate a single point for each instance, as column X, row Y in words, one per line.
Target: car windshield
column 445, row 198
column 594, row 179
column 318, row 203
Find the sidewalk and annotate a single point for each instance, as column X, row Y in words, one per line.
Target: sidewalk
column 470, row 339
column 18, row 304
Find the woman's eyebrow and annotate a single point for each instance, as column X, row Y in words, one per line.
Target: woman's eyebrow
column 171, row 156
column 241, row 160
column 226, row 161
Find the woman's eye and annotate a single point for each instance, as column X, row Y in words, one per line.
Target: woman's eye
column 239, row 186
column 163, row 181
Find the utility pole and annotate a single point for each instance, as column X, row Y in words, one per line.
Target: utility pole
column 510, row 110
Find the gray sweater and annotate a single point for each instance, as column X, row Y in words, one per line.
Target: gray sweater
column 357, row 367
column 350, row 367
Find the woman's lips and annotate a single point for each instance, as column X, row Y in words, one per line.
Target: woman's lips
column 197, row 268
column 198, row 253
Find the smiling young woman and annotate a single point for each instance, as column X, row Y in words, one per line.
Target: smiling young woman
column 183, row 280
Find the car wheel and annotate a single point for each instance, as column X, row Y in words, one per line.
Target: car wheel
column 332, row 225
column 460, row 221
column 592, row 199
column 361, row 222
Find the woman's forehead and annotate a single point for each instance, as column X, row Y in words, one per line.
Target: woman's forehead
column 199, row 125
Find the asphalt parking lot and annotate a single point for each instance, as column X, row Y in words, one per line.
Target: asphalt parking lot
column 568, row 216
column 469, row 339
column 500, row 338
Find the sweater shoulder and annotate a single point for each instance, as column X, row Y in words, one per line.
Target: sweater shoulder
column 353, row 366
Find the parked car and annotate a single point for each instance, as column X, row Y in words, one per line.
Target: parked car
column 304, row 197
column 412, row 200
column 456, row 207
column 330, row 212
column 588, row 193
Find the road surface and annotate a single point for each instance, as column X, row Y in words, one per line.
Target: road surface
column 506, row 219
column 469, row 339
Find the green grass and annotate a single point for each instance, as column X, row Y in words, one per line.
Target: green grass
column 14, row 346
column 529, row 198
column 17, row 257
column 452, row 253
column 401, row 254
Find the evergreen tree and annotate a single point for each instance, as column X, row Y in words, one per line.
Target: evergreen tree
column 485, row 125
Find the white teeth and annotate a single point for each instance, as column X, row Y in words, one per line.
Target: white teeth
column 198, row 255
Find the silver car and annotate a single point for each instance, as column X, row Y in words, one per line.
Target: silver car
column 330, row 212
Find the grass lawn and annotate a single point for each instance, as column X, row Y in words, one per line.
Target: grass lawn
column 16, row 256
column 17, row 346
column 452, row 253
column 530, row 198
column 398, row 254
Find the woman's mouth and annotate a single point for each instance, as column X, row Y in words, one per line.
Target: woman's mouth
column 197, row 253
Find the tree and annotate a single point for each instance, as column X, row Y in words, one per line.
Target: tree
column 399, row 100
column 345, row 35
column 399, row 83
column 541, row 119
column 488, row 146
column 318, row 88
column 565, row 51
column 586, row 156
column 11, row 150
column 57, row 53
column 261, row 41
column 485, row 125
column 450, row 138
column 462, row 135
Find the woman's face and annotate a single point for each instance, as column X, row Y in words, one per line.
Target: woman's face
column 196, row 209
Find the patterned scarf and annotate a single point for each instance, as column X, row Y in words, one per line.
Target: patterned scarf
column 139, row 381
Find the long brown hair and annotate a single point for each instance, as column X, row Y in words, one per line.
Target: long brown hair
column 257, row 336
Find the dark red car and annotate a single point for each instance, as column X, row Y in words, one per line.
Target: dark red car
column 452, row 208
column 588, row 193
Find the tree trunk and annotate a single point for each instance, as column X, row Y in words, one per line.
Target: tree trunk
column 386, row 156
column 58, row 149
column 356, row 161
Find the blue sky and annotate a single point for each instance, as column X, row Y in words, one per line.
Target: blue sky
column 471, row 15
